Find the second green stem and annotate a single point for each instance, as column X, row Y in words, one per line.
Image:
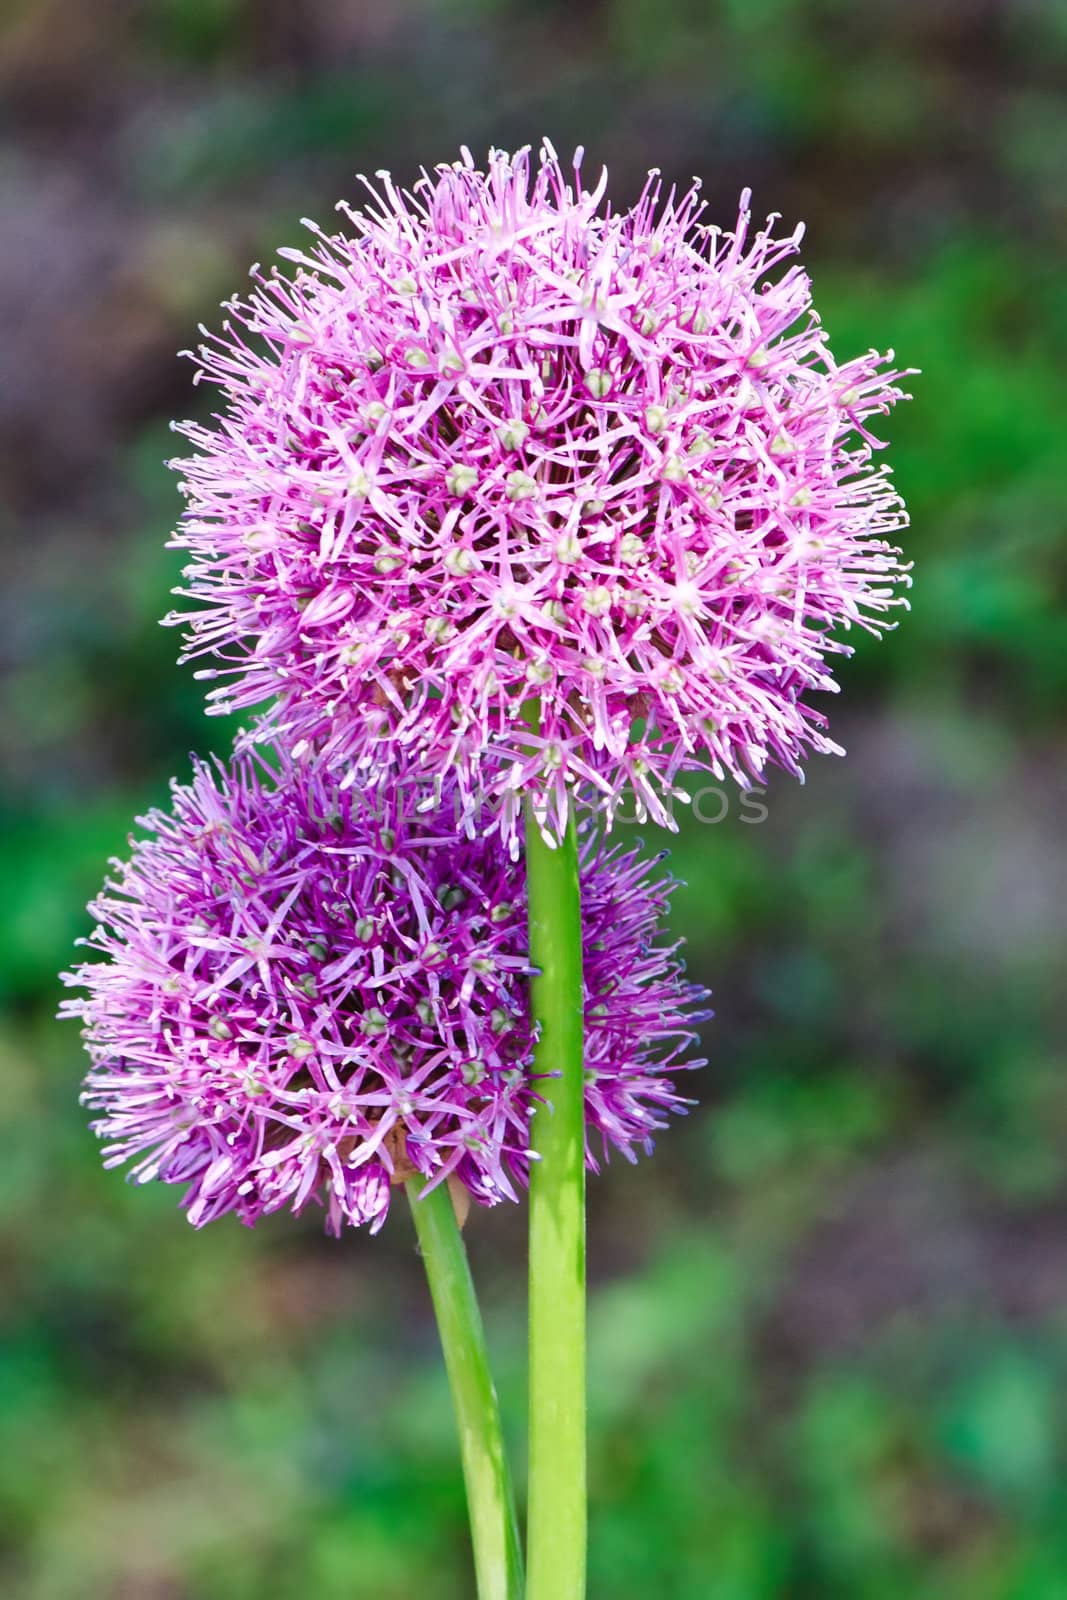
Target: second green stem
column 494, row 1530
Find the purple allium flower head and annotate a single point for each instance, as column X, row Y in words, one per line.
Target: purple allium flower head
column 501, row 443
column 309, row 993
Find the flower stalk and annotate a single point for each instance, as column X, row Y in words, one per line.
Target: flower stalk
column 556, row 1517
column 490, row 1500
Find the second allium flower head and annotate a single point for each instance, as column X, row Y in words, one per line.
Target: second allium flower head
column 503, row 447
column 307, row 994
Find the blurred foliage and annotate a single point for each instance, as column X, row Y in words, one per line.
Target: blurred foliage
column 829, row 1321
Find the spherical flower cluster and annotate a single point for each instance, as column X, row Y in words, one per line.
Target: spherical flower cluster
column 310, row 993
column 500, row 449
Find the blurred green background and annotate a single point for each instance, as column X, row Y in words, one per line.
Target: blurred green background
column 829, row 1320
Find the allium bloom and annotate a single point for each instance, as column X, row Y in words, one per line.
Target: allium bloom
column 502, row 444
column 309, row 993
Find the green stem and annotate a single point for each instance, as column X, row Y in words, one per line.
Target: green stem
column 490, row 1502
column 556, row 1517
